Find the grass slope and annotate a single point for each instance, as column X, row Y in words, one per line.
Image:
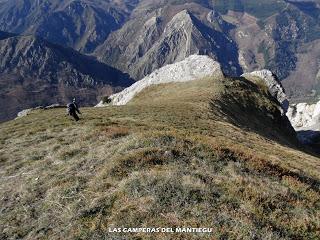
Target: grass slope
column 173, row 157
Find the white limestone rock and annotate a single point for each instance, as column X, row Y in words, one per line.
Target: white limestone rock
column 56, row 105
column 192, row 68
column 24, row 112
column 305, row 118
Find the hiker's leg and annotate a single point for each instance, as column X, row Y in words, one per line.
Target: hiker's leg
column 76, row 117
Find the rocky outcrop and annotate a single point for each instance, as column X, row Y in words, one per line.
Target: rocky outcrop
column 26, row 112
column 305, row 118
column 274, row 85
column 303, row 115
column 192, row 68
column 157, row 41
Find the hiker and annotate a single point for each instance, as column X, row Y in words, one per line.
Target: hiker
column 72, row 110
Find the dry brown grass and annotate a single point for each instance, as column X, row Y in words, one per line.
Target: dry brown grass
column 166, row 162
column 116, row 132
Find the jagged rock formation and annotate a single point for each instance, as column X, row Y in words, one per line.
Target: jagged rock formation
column 264, row 35
column 35, row 72
column 142, row 46
column 194, row 67
column 304, row 118
column 274, row 85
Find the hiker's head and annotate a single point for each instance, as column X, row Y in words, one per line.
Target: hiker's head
column 74, row 100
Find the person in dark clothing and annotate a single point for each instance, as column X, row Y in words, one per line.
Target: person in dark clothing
column 73, row 109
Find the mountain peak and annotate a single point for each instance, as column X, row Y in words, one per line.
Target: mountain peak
column 181, row 21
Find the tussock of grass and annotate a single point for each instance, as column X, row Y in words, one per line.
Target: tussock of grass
column 165, row 160
column 116, row 132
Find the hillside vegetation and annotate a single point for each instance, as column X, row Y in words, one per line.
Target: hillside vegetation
column 174, row 157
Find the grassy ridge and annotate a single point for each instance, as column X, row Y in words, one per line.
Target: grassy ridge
column 168, row 159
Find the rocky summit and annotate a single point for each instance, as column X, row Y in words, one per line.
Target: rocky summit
column 194, row 67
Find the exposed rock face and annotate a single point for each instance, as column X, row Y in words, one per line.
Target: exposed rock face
column 142, row 46
column 24, row 112
column 278, row 35
column 192, row 68
column 274, row 85
column 305, row 118
column 303, row 115
column 35, row 72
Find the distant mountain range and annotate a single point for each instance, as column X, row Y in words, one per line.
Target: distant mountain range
column 82, row 25
column 138, row 36
column 36, row 72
